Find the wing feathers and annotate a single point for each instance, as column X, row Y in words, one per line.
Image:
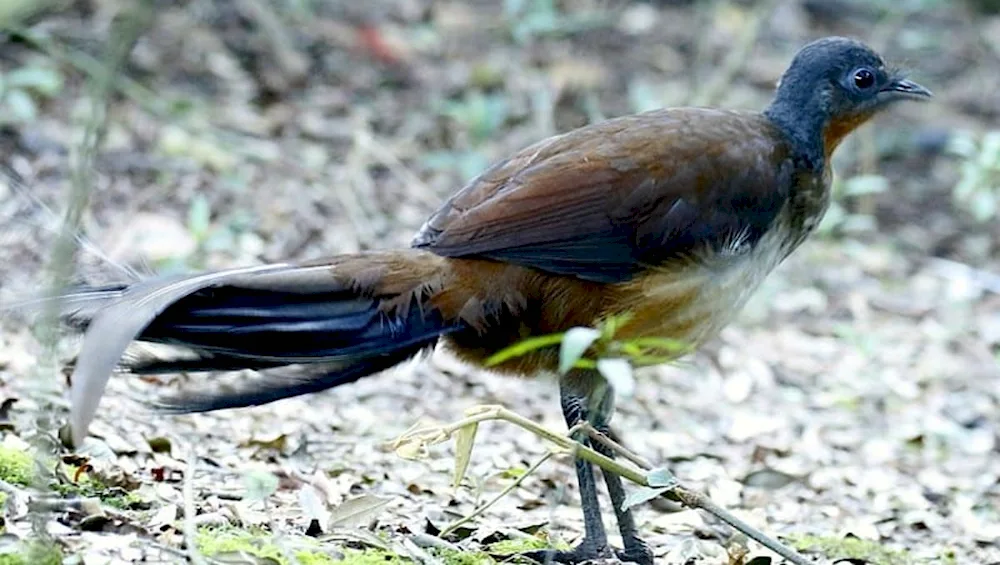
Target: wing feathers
column 603, row 202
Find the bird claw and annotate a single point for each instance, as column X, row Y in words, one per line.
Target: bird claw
column 583, row 553
column 638, row 552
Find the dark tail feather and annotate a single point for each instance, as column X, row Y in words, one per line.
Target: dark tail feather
column 285, row 383
column 257, row 318
column 234, row 327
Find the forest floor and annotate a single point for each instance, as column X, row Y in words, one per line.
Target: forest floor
column 853, row 410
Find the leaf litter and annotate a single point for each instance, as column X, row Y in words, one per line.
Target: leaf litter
column 851, row 410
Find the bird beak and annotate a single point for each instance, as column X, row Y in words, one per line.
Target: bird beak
column 903, row 89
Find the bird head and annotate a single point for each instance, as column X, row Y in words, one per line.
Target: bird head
column 835, row 84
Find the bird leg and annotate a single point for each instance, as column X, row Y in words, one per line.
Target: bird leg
column 635, row 550
column 596, row 408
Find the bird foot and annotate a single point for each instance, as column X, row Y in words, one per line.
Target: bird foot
column 587, row 553
column 638, row 552
column 583, row 553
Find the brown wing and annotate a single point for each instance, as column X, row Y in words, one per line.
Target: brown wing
column 604, row 201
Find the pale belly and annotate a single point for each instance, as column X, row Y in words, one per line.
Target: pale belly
column 693, row 304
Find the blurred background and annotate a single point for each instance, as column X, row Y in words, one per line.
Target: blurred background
column 853, row 410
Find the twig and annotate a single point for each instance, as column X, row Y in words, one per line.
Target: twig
column 434, row 435
column 534, row 467
column 125, row 32
column 694, row 499
column 489, row 503
column 678, row 492
column 618, row 448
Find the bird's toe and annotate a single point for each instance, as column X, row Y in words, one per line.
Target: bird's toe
column 582, row 554
column 638, row 552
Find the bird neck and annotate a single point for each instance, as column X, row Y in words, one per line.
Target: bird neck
column 801, row 118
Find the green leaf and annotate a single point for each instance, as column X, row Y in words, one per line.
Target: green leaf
column 524, row 347
column 641, row 495
column 260, row 485
column 574, row 345
column 465, row 439
column 664, row 343
column 199, row 217
column 610, row 326
column 661, row 477
column 769, row 479
column 42, row 80
column 618, row 373
column 20, row 106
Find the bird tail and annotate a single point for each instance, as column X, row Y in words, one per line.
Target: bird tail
column 305, row 327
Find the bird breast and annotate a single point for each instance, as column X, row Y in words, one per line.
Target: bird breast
column 692, row 302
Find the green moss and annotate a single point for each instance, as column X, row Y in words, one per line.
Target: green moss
column 512, row 546
column 34, row 553
column 452, row 557
column 16, row 466
column 313, row 558
column 88, row 486
column 213, row 541
column 126, row 501
column 850, row 548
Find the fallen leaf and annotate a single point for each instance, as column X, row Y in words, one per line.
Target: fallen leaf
column 770, row 479
column 356, row 511
column 465, row 440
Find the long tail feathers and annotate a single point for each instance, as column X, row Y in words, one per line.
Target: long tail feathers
column 260, row 318
column 290, row 382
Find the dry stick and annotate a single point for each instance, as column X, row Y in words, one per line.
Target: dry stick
column 486, row 506
column 125, row 32
column 430, row 436
column 517, row 482
column 691, row 498
column 615, row 446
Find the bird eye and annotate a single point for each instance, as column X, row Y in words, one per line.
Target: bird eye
column 864, row 79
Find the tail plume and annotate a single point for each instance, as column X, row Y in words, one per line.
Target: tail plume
column 333, row 323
